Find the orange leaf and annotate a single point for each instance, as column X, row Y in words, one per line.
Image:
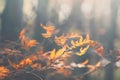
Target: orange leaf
column 36, row 65
column 12, row 64
column 66, row 54
column 100, row 51
column 88, row 37
column 72, row 35
column 32, row 43
column 60, row 40
column 24, row 41
column 85, row 62
column 98, row 64
column 3, row 71
column 46, row 35
column 49, row 31
column 22, row 33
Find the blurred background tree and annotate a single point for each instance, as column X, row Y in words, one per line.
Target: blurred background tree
column 11, row 20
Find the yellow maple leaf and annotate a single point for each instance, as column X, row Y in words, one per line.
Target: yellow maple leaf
column 81, row 39
column 72, row 42
column 52, row 55
column 82, row 51
column 56, row 54
column 59, row 52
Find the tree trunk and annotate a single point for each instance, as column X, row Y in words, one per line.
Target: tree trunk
column 41, row 18
column 110, row 36
column 11, row 20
